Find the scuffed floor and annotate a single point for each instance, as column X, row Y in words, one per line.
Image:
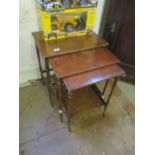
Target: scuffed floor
column 41, row 132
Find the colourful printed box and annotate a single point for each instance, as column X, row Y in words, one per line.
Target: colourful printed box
column 68, row 22
column 54, row 5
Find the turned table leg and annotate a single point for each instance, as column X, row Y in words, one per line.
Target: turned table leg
column 40, row 67
column 105, row 87
column 68, row 110
column 59, row 89
column 111, row 92
column 48, row 81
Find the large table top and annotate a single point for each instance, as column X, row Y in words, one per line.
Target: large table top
column 77, row 63
column 67, row 45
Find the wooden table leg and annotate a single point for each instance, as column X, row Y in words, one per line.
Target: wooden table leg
column 40, row 67
column 57, row 91
column 105, row 87
column 68, row 110
column 59, row 97
column 48, row 81
column 111, row 91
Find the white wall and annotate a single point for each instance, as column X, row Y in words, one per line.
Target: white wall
column 28, row 65
column 100, row 11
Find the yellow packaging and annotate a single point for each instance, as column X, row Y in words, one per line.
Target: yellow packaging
column 68, row 22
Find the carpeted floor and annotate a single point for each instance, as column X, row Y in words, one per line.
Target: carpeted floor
column 41, row 132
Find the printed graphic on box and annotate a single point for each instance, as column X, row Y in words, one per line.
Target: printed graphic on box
column 67, row 23
column 55, row 5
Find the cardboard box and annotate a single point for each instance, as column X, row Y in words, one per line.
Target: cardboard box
column 68, row 22
column 54, row 5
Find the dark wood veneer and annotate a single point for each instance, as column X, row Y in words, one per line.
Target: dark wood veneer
column 75, row 63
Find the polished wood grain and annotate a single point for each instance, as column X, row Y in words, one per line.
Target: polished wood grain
column 91, row 77
column 83, row 100
column 75, row 63
column 67, row 45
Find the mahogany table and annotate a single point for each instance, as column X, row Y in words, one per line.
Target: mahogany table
column 77, row 62
column 50, row 49
column 82, row 97
column 79, row 70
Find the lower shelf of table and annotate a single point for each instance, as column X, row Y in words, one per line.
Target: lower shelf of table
column 83, row 100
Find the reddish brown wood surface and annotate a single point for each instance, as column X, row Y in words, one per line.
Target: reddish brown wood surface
column 68, row 45
column 91, row 77
column 75, row 63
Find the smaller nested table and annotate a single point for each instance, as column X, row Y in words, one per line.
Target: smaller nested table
column 77, row 71
column 83, row 95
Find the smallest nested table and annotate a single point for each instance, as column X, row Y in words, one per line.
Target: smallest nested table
column 82, row 95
